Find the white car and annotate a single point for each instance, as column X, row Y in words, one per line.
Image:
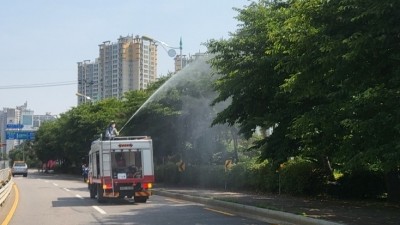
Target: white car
column 19, row 168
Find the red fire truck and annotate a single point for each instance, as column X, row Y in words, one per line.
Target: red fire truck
column 122, row 167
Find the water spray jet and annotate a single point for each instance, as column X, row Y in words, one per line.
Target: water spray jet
column 191, row 73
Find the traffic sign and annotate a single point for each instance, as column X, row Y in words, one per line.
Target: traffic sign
column 14, row 126
column 20, row 135
column 228, row 164
column 181, row 166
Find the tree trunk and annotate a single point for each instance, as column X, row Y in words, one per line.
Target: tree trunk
column 327, row 168
column 235, row 144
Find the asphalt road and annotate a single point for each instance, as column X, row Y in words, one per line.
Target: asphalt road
column 57, row 199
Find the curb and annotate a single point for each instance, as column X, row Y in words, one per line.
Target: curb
column 266, row 215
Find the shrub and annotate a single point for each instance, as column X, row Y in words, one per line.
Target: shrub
column 267, row 177
column 206, row 176
column 167, row 174
column 301, row 176
column 238, row 177
column 254, row 176
column 212, row 176
column 242, row 176
column 361, row 183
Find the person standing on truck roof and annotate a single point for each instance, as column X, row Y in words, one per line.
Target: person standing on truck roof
column 111, row 131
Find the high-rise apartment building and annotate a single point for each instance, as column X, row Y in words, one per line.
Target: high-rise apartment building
column 88, row 80
column 183, row 61
column 129, row 64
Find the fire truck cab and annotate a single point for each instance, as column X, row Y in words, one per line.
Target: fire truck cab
column 122, row 167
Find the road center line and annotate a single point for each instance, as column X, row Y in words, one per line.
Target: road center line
column 99, row 209
column 55, row 184
column 13, row 208
column 67, row 189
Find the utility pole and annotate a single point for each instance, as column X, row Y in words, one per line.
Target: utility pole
column 180, row 47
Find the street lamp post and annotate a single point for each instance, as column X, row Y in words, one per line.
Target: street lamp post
column 180, row 49
column 171, row 50
column 85, row 96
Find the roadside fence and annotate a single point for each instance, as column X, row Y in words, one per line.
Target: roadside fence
column 4, row 164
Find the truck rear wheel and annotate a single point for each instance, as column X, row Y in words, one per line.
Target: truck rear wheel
column 100, row 197
column 140, row 199
column 92, row 190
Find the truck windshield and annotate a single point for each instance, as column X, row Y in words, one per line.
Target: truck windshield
column 126, row 164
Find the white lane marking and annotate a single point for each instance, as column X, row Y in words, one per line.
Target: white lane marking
column 67, row 189
column 55, row 184
column 46, row 181
column 99, row 209
column 79, row 196
column 174, row 200
column 218, row 211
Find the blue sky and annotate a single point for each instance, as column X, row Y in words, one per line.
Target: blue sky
column 42, row 40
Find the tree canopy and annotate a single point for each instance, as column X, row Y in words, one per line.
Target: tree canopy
column 324, row 74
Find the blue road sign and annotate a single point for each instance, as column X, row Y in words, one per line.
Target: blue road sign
column 20, row 135
column 14, row 126
column 11, row 135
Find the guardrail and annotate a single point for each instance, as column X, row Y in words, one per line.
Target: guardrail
column 5, row 184
column 4, row 164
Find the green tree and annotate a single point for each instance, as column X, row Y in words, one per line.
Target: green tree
column 344, row 72
column 24, row 152
column 251, row 82
column 323, row 74
column 68, row 138
column 46, row 144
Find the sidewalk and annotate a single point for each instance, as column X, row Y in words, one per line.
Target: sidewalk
column 283, row 209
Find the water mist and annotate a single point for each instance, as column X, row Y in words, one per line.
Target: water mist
column 192, row 135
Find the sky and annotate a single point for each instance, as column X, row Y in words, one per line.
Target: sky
column 42, row 40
